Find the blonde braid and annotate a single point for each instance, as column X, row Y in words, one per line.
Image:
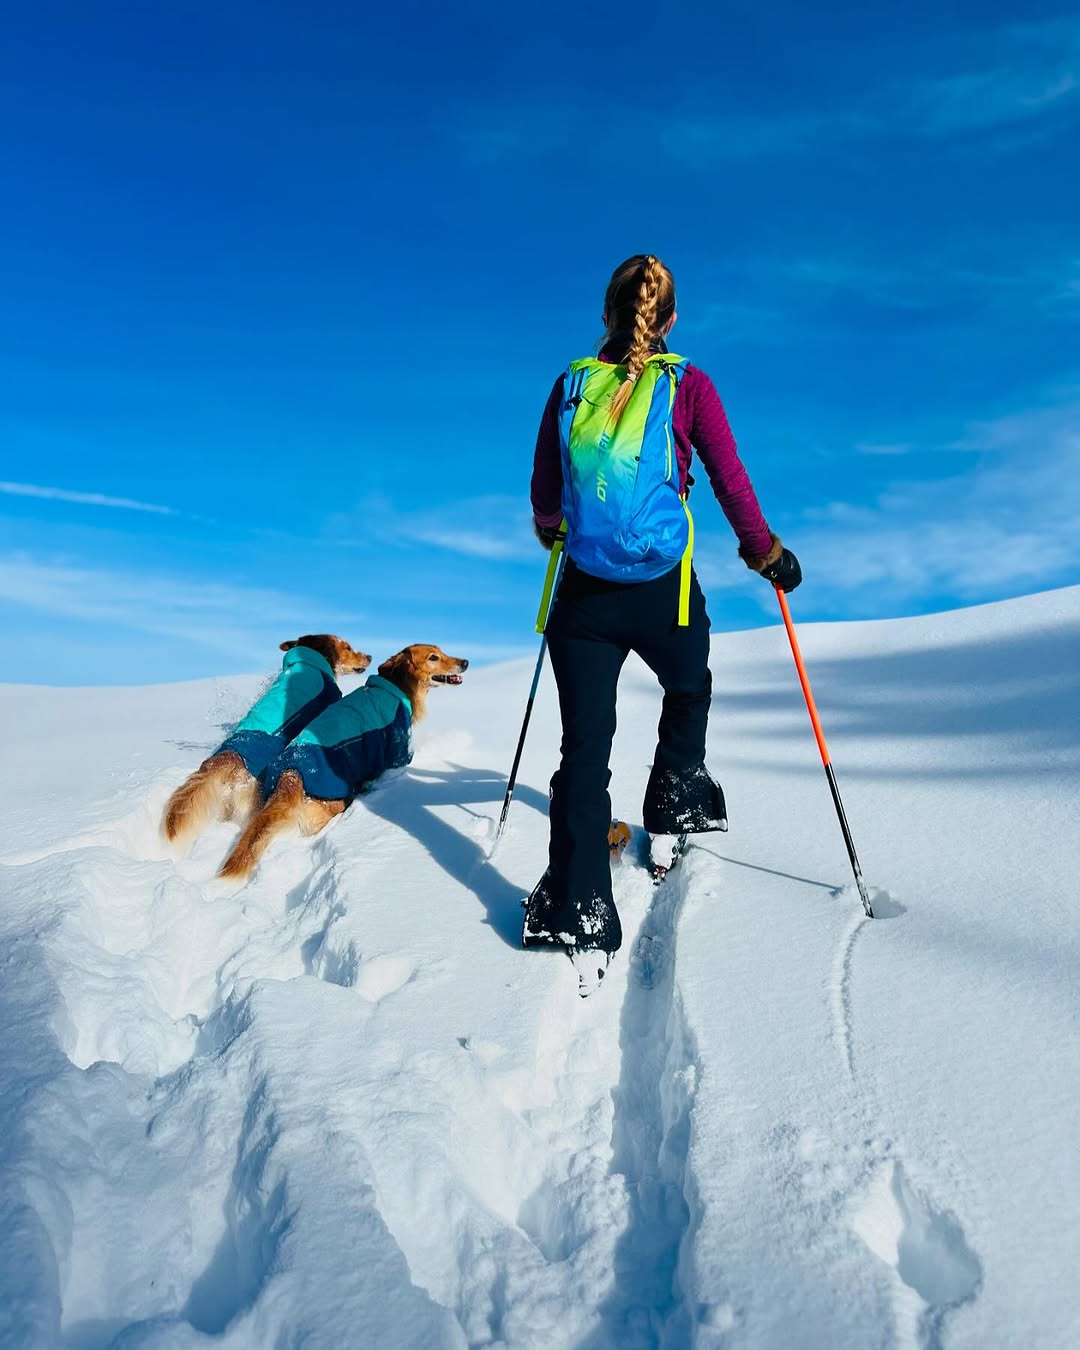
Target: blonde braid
column 644, row 331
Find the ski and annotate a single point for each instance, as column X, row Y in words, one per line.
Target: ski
column 590, row 966
column 665, row 850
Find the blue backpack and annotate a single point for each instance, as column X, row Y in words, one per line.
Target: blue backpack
column 625, row 518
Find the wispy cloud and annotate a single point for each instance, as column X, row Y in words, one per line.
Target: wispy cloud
column 989, row 99
column 53, row 494
column 779, row 299
column 1067, row 288
column 492, row 528
column 1010, row 522
column 529, row 126
column 209, row 614
column 1029, row 73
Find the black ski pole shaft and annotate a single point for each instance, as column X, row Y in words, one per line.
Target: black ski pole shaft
column 512, row 781
column 554, row 577
column 819, row 736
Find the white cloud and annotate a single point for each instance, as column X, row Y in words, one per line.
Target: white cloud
column 793, row 299
column 1029, row 73
column 1010, row 523
column 987, row 99
column 1067, row 288
column 82, row 498
column 895, row 448
column 210, row 614
column 493, row 528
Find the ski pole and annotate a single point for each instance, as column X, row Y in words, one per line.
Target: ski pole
column 819, row 736
column 551, row 585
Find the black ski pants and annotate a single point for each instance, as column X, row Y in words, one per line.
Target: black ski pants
column 594, row 625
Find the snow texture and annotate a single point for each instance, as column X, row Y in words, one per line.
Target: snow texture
column 340, row 1107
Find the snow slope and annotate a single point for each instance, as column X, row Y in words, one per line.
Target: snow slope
column 339, row 1107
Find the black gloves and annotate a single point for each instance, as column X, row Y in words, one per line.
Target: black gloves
column 785, row 572
column 548, row 534
column 779, row 566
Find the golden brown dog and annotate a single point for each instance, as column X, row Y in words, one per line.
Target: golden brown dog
column 225, row 786
column 349, row 745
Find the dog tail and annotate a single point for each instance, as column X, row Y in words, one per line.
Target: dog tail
column 283, row 809
column 200, row 800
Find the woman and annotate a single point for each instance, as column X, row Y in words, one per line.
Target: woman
column 628, row 585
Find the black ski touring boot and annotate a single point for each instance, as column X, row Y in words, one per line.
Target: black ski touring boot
column 588, row 931
column 683, row 801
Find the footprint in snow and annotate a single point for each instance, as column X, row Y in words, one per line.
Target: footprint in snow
column 380, row 976
column 340, row 961
column 922, row 1243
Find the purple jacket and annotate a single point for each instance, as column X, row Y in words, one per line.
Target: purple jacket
column 700, row 424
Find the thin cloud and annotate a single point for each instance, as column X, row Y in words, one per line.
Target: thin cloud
column 941, row 290
column 493, row 528
column 986, row 100
column 1009, row 523
column 209, row 614
column 897, row 448
column 1012, row 521
column 1030, row 74
column 1066, row 291
column 83, row 498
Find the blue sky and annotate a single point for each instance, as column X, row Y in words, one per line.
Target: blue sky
column 285, row 289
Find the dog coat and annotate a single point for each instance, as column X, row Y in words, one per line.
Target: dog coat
column 304, row 689
column 350, row 744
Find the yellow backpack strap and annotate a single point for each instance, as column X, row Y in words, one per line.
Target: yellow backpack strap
column 549, row 580
column 684, row 571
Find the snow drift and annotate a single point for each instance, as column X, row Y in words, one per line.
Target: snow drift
column 340, row 1107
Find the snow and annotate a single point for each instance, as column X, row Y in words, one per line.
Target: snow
column 340, row 1107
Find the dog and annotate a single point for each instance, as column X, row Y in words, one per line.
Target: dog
column 347, row 747
column 226, row 786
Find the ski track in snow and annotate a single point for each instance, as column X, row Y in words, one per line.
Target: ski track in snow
column 841, row 992
column 851, row 1177
column 227, row 1127
column 624, row 1203
column 934, row 1269
column 606, row 1197
column 630, row 1212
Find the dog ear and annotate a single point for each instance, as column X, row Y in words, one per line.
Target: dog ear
column 287, row 646
column 393, row 664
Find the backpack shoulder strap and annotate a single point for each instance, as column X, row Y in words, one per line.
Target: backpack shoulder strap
column 669, row 363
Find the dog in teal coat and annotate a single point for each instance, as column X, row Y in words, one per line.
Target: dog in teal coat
column 226, row 786
column 344, row 750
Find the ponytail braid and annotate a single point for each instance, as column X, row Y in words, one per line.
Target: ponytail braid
column 650, row 301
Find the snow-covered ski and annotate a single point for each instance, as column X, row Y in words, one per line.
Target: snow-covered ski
column 665, row 850
column 591, row 966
